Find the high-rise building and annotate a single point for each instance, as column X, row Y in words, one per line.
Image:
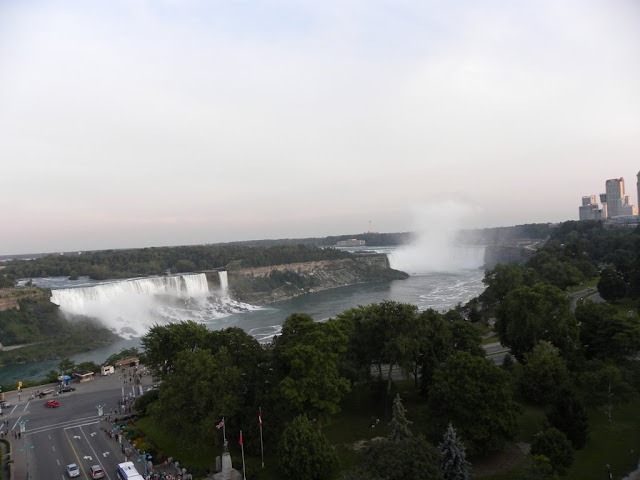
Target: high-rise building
column 638, row 187
column 617, row 203
column 615, row 195
column 589, row 209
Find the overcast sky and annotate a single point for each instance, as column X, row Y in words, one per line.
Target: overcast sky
column 132, row 123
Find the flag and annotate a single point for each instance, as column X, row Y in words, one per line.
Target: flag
column 220, row 425
column 260, row 418
column 240, row 441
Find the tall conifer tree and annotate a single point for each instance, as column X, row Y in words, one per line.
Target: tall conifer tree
column 454, row 464
column 399, row 425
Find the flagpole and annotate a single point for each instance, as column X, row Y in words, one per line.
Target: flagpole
column 224, row 426
column 244, row 472
column 261, row 444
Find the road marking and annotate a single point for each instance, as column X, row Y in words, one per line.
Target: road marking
column 76, row 454
column 94, row 452
column 57, row 460
column 26, row 406
column 54, row 447
column 16, row 424
column 49, row 437
column 14, row 409
column 65, row 425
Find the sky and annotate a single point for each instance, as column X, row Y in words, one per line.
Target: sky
column 137, row 123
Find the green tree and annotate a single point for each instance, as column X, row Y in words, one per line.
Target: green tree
column 606, row 386
column 499, row 281
column 475, row 394
column 397, row 323
column 528, row 315
column 543, row 371
column 538, row 467
column 163, row 343
column 307, row 353
column 605, row 333
column 413, row 458
column 553, row 444
column 304, row 452
column 437, row 345
column 66, row 366
column 399, row 425
column 611, row 285
column 142, row 402
column 466, row 338
column 454, row 464
column 569, row 415
column 200, row 389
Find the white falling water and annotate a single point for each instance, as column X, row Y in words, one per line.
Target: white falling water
column 224, row 283
column 131, row 307
column 434, row 247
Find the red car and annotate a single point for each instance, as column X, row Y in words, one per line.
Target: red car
column 52, row 404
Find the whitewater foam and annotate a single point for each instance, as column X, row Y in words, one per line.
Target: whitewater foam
column 131, row 307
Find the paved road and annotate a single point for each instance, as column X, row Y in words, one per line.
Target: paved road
column 71, row 433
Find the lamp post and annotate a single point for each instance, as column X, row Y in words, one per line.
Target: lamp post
column 25, row 447
column 144, row 457
column 609, row 476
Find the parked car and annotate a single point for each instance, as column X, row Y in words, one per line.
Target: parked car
column 5, row 404
column 67, row 388
column 73, row 470
column 97, row 471
column 43, row 393
column 51, row 404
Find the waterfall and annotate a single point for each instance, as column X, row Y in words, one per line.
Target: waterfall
column 443, row 258
column 224, row 282
column 131, row 307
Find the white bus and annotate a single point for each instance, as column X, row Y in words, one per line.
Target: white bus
column 127, row 471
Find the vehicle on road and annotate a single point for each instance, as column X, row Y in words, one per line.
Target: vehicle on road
column 51, row 404
column 67, row 389
column 97, row 471
column 127, row 471
column 45, row 392
column 5, row 404
column 73, row 470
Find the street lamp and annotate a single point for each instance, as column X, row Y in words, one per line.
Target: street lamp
column 610, row 477
column 25, row 447
column 144, row 457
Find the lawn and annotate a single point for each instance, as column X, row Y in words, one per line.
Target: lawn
column 616, row 444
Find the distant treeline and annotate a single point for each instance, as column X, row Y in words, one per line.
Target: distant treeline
column 157, row 261
column 373, row 239
column 498, row 235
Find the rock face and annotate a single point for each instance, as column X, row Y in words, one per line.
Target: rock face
column 9, row 296
column 264, row 285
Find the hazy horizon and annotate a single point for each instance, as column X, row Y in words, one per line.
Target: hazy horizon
column 136, row 123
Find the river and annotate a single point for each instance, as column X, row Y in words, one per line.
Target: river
column 439, row 290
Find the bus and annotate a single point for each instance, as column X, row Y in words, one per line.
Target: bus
column 127, row 471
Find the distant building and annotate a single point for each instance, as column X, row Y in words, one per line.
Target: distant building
column 352, row 242
column 638, row 187
column 589, row 210
column 617, row 202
